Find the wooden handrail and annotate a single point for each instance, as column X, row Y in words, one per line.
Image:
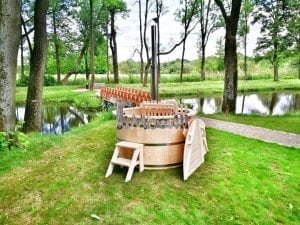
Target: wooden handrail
column 125, row 94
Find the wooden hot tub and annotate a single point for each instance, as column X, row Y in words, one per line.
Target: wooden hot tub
column 160, row 128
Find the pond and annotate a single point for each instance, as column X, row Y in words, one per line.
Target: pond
column 276, row 103
column 58, row 119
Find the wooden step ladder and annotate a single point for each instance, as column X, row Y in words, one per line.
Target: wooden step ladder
column 118, row 159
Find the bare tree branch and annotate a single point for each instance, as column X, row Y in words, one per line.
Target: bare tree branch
column 27, row 37
column 221, row 6
column 179, row 43
column 27, row 33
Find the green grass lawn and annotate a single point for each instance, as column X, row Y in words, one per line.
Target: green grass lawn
column 288, row 123
column 87, row 99
column 209, row 87
column 63, row 94
column 243, row 181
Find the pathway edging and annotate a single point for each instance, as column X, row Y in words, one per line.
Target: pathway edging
column 260, row 133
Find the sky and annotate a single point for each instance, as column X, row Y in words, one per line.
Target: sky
column 128, row 34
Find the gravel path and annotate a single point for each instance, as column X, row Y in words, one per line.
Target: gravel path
column 264, row 134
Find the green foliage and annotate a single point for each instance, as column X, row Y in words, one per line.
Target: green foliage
column 23, row 81
column 60, row 94
column 118, row 6
column 209, row 87
column 271, row 43
column 4, row 141
column 106, row 116
column 173, row 67
column 242, row 189
column 13, row 140
column 49, row 80
column 130, row 67
column 220, row 46
column 246, row 10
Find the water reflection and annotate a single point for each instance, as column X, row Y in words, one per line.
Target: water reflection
column 59, row 119
column 262, row 103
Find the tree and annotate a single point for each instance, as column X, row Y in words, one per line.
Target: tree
column 141, row 50
column 207, row 17
column 26, row 30
column 55, row 37
column 220, row 52
column 10, row 34
column 27, row 21
column 244, row 28
column 230, row 58
column 59, row 11
column 148, row 61
column 185, row 19
column 22, row 45
column 272, row 16
column 186, row 15
column 107, row 48
column 293, row 35
column 160, row 10
column 92, row 49
column 86, row 18
column 114, row 7
column 33, row 110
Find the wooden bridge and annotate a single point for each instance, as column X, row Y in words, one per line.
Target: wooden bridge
column 127, row 95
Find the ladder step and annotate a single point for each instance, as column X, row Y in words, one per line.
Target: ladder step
column 126, row 144
column 123, row 162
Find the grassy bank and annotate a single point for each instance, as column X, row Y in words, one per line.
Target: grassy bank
column 63, row 94
column 209, row 87
column 63, row 183
column 193, row 76
column 288, row 123
column 87, row 99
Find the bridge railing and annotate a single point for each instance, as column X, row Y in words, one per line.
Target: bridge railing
column 125, row 94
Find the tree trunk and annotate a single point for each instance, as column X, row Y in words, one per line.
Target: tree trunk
column 158, row 12
column 141, row 43
column 203, row 62
column 107, row 53
column 56, row 45
column 184, row 41
column 9, row 44
column 147, row 67
column 22, row 59
column 298, row 47
column 182, row 60
column 33, row 110
column 158, row 51
column 245, row 54
column 113, row 46
column 87, row 72
column 275, row 59
column 230, row 58
column 92, row 53
column 22, row 44
column 231, row 72
column 299, row 68
column 275, row 68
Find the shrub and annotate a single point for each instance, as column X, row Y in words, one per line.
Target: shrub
column 13, row 139
column 49, row 80
column 22, row 81
column 4, row 142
